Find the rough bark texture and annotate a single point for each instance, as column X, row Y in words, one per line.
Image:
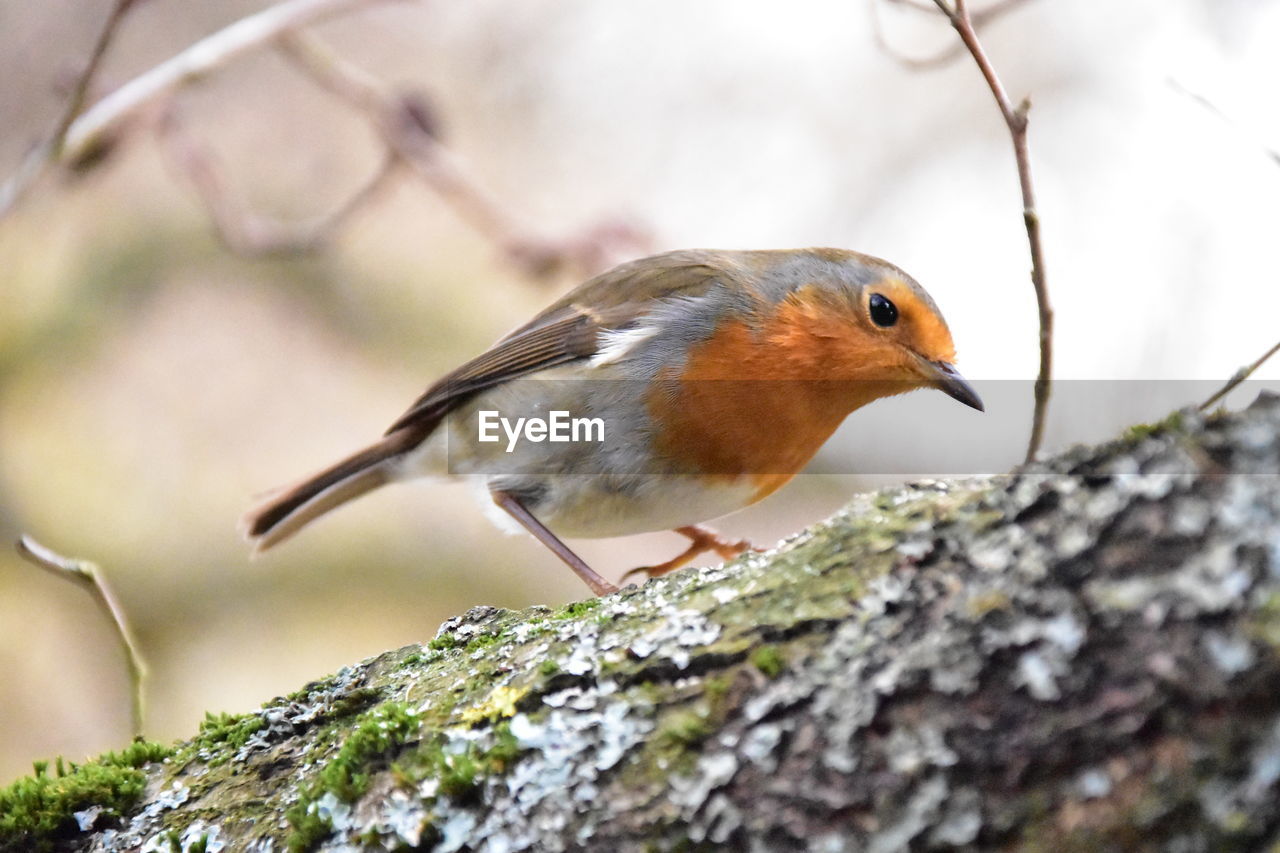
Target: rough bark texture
column 1080, row 656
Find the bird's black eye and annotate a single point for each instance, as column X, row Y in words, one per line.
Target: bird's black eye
column 883, row 312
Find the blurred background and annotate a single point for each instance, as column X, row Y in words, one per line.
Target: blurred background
column 152, row 381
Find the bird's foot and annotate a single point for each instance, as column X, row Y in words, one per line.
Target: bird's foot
column 701, row 539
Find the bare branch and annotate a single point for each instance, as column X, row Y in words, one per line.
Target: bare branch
column 199, row 59
column 39, row 158
column 403, row 121
column 254, row 236
column 917, row 5
column 1240, row 375
column 923, row 63
column 1272, row 153
column 85, row 132
column 90, row 577
column 406, row 125
column 80, row 90
column 980, row 19
column 1016, row 120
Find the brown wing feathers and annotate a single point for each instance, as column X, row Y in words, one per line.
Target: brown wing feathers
column 565, row 332
column 559, row 341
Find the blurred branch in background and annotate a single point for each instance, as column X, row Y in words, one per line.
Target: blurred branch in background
column 1240, row 375
column 40, row 157
column 1272, row 153
column 980, row 19
column 405, row 122
column 82, row 135
column 91, row 578
column 408, row 127
column 243, row 232
column 1015, row 118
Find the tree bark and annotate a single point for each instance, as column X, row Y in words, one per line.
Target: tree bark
column 1081, row 655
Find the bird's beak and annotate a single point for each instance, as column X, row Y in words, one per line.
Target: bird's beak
column 947, row 379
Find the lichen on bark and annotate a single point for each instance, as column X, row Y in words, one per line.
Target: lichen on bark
column 1084, row 654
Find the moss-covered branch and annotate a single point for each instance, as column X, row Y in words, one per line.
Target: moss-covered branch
column 1083, row 655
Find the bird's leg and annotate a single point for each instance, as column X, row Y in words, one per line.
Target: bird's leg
column 702, row 539
column 517, row 510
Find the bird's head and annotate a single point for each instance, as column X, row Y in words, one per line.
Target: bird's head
column 872, row 323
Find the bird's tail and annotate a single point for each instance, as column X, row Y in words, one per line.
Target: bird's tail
column 288, row 510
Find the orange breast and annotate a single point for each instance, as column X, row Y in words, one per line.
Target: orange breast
column 760, row 402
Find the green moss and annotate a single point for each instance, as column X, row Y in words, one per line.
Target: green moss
column 684, row 729
column 458, row 772
column 419, row 659
column 1263, row 623
column 1138, row 432
column 650, row 691
column 549, row 667
column 305, row 692
column 981, row 603
column 373, row 737
column 37, row 811
column 576, row 609
column 376, row 733
column 822, row 575
column 506, row 749
column 353, row 701
column 222, row 735
column 717, row 687
column 769, row 660
column 309, row 829
column 444, row 642
column 137, row 754
column 485, row 641
column 230, row 730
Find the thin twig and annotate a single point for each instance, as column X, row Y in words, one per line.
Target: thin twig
column 80, row 91
column 255, row 236
column 980, row 19
column 87, row 129
column 923, row 63
column 1016, row 120
column 1272, row 153
column 407, row 128
column 39, row 159
column 412, row 141
column 1240, row 375
column 917, row 5
column 403, row 121
column 90, row 577
column 246, row 34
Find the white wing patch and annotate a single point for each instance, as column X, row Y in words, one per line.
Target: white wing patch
column 618, row 345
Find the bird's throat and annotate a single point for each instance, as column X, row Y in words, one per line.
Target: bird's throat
column 742, row 405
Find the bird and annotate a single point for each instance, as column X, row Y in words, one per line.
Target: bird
column 706, row 379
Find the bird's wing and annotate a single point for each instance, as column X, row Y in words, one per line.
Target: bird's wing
column 567, row 331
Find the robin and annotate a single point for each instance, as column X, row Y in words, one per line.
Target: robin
column 702, row 380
